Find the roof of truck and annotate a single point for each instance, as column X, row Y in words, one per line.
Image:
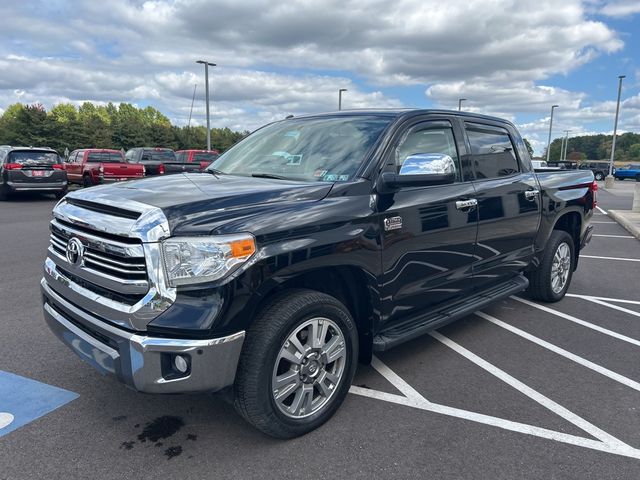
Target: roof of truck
column 404, row 112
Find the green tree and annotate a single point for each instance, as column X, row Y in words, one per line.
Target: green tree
column 529, row 147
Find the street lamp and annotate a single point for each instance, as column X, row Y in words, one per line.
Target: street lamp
column 340, row 97
column 553, row 107
column 609, row 181
column 460, row 100
column 206, row 89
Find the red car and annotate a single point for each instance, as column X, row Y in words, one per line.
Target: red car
column 204, row 157
column 92, row 166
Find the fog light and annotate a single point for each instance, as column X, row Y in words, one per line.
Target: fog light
column 180, row 363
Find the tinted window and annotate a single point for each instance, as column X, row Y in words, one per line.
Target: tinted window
column 159, row 155
column 427, row 138
column 493, row 153
column 204, row 157
column 106, row 157
column 33, row 157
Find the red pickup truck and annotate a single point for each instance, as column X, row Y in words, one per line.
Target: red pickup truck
column 203, row 157
column 93, row 166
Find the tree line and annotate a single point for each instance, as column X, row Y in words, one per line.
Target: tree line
column 598, row 147
column 122, row 126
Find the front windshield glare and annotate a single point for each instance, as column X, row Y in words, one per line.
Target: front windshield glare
column 323, row 149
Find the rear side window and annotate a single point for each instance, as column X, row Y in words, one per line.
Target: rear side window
column 105, row 157
column 492, row 151
column 33, row 158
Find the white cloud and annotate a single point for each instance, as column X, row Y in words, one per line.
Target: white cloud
column 281, row 58
column 620, row 8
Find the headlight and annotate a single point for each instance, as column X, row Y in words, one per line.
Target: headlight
column 189, row 260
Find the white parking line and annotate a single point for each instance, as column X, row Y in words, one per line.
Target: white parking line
column 611, row 258
column 604, row 212
column 530, row 392
column 561, row 351
column 615, row 307
column 419, row 402
column 571, row 318
column 613, row 236
column 606, row 299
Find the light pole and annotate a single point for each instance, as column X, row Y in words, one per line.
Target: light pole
column 340, row 97
column 206, row 89
column 553, row 107
column 609, row 181
column 565, row 146
column 460, row 100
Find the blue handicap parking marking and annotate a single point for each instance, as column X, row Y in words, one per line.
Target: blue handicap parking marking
column 23, row 400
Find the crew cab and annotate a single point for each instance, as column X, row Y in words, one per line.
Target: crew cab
column 159, row 161
column 93, row 166
column 309, row 245
column 631, row 171
column 31, row 169
column 203, row 157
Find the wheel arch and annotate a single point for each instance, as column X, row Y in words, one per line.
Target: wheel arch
column 350, row 285
column 571, row 222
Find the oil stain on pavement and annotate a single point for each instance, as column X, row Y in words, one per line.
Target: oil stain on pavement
column 161, row 428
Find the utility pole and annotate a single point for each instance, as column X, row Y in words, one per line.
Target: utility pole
column 191, row 113
column 340, row 97
column 565, row 144
column 460, row 100
column 553, row 107
column 206, row 89
column 609, row 181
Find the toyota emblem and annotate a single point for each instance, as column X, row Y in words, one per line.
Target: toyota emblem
column 75, row 251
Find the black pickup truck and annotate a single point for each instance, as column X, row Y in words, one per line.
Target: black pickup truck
column 159, row 161
column 310, row 245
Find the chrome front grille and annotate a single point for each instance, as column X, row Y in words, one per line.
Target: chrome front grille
column 117, row 276
column 109, row 264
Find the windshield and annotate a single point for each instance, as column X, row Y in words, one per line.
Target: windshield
column 323, row 149
column 106, row 157
column 33, row 158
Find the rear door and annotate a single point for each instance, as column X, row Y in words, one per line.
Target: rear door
column 508, row 202
column 428, row 239
column 74, row 166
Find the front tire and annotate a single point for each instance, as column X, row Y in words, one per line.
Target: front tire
column 297, row 364
column 86, row 181
column 550, row 281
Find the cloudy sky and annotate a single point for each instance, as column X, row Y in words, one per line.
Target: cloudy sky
column 513, row 58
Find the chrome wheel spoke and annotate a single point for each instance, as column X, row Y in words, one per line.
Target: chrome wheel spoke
column 333, row 349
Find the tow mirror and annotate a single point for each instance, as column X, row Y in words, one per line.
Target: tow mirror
column 421, row 170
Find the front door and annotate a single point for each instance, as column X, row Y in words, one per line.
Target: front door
column 428, row 236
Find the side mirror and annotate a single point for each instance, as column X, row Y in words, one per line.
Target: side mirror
column 421, row 170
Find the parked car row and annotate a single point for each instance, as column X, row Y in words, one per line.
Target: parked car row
column 42, row 169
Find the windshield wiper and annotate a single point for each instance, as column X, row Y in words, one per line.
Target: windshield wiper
column 213, row 172
column 269, row 175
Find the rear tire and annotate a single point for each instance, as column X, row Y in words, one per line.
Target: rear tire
column 637, row 178
column 287, row 384
column 4, row 193
column 599, row 176
column 550, row 281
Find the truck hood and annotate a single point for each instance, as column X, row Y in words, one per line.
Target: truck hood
column 198, row 202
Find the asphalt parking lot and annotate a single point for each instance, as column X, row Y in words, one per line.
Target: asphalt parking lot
column 520, row 390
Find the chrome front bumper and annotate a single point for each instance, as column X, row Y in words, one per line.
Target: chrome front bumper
column 143, row 362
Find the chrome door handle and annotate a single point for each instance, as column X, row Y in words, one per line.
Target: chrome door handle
column 466, row 204
column 531, row 194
